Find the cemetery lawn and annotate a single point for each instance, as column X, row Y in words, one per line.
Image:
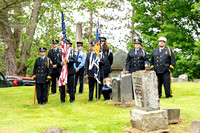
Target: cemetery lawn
column 18, row 114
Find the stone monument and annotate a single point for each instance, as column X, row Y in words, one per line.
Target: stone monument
column 119, row 61
column 116, row 96
column 147, row 116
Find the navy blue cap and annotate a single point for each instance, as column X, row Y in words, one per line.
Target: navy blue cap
column 68, row 42
column 42, row 49
column 79, row 43
column 92, row 43
column 138, row 41
column 103, row 39
column 55, row 41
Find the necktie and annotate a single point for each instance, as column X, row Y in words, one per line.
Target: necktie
column 136, row 52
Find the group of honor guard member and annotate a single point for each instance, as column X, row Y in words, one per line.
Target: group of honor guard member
column 137, row 59
column 71, row 59
column 108, row 57
column 55, row 55
column 89, row 72
column 79, row 66
column 42, row 74
column 163, row 62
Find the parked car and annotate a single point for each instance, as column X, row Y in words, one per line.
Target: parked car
column 21, row 81
column 4, row 82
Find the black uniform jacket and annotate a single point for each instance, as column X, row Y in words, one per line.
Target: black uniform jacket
column 108, row 58
column 42, row 70
column 136, row 62
column 56, row 58
column 162, row 61
column 71, row 61
column 91, row 72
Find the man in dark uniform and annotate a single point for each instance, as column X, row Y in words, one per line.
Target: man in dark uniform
column 42, row 74
column 108, row 57
column 89, row 73
column 163, row 62
column 79, row 66
column 137, row 59
column 55, row 55
column 71, row 59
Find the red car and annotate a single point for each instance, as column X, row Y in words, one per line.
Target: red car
column 21, row 81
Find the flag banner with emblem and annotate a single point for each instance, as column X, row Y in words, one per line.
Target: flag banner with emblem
column 64, row 72
column 97, row 54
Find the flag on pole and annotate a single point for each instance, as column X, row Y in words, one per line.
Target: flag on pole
column 96, row 55
column 64, row 72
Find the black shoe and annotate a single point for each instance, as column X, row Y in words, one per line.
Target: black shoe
column 89, row 100
column 71, row 101
column 43, row 103
column 168, row 96
column 62, row 101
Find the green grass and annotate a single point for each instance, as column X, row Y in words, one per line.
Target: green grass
column 19, row 114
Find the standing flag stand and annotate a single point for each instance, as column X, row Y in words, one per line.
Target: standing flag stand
column 97, row 59
column 64, row 72
column 35, row 93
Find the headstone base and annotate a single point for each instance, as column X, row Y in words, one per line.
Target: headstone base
column 125, row 105
column 134, row 130
column 195, row 127
column 149, row 121
column 173, row 115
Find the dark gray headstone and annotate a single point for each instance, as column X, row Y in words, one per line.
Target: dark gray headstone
column 145, row 86
column 116, row 97
column 126, row 88
column 195, row 127
column 173, row 115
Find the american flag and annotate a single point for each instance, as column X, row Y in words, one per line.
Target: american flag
column 64, row 72
column 96, row 55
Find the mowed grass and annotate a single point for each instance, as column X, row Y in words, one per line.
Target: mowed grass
column 18, row 114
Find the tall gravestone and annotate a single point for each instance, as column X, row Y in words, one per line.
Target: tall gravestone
column 126, row 88
column 147, row 116
column 146, row 90
column 116, row 96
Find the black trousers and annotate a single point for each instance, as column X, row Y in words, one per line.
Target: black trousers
column 71, row 86
column 80, row 75
column 41, row 89
column 54, row 76
column 62, row 90
column 164, row 79
column 106, row 75
column 100, row 88
column 92, row 83
column 106, row 94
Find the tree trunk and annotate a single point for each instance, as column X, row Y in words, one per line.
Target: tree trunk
column 9, row 44
column 132, row 26
column 10, row 50
column 30, row 31
column 90, row 33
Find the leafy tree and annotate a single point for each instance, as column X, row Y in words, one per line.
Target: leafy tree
column 176, row 21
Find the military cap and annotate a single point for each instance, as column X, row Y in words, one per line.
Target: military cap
column 42, row 49
column 103, row 39
column 55, row 41
column 162, row 39
column 68, row 42
column 138, row 41
column 79, row 43
column 92, row 43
